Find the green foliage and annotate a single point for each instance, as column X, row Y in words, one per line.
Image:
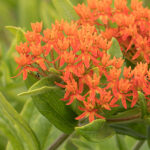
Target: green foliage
column 95, row 131
column 65, row 9
column 48, row 102
column 31, row 129
column 17, row 129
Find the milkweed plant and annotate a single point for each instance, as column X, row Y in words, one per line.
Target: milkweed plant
column 91, row 75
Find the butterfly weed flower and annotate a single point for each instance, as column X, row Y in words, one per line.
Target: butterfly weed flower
column 79, row 52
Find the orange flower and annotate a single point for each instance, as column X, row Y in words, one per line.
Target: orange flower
column 89, row 111
column 37, row 27
column 72, row 91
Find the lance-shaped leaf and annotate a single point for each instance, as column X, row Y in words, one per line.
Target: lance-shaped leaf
column 18, row 127
column 95, row 131
column 48, row 102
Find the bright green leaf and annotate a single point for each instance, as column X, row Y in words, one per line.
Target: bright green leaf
column 95, row 131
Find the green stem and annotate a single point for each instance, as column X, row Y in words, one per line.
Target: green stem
column 59, row 141
column 138, row 145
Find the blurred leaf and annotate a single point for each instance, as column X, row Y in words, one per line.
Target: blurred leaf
column 3, row 141
column 50, row 105
column 15, row 121
column 28, row 12
column 6, row 15
column 136, row 129
column 115, row 49
column 121, row 142
column 65, row 9
column 39, row 124
column 15, row 30
column 95, row 131
column 48, row 13
column 10, row 132
column 36, row 122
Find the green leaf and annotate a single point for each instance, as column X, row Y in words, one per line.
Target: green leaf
column 65, row 9
column 37, row 122
column 136, row 129
column 10, row 132
column 115, row 49
column 121, row 142
column 15, row 121
column 28, row 12
column 95, row 131
column 19, row 37
column 6, row 16
column 15, row 30
column 37, row 91
column 48, row 13
column 83, row 144
column 50, row 105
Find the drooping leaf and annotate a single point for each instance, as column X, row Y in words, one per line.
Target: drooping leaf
column 95, row 131
column 16, row 126
column 49, row 103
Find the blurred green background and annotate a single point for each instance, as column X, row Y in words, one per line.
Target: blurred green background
column 20, row 13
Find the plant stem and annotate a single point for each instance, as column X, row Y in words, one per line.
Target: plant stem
column 138, row 145
column 124, row 119
column 59, row 141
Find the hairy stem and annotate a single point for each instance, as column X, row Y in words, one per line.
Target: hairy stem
column 59, row 141
column 138, row 145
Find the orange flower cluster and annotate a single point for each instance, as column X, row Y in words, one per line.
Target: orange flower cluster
column 78, row 50
column 129, row 25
